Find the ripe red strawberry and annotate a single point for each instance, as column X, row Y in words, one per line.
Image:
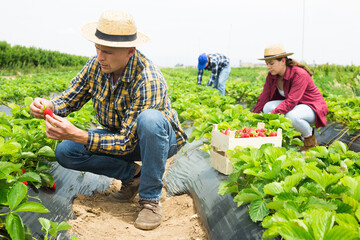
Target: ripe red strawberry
column 261, row 134
column 48, row 111
column 226, row 131
column 25, row 182
column 245, row 135
column 23, row 170
column 53, row 187
column 273, row 134
column 261, row 130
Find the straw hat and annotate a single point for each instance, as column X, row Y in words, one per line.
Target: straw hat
column 114, row 29
column 275, row 51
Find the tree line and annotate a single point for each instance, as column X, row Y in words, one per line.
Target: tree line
column 20, row 56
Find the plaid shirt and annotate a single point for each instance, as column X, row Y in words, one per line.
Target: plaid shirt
column 142, row 86
column 216, row 64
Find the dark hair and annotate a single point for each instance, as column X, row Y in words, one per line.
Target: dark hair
column 290, row 62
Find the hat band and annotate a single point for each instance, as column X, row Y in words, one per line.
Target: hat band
column 266, row 56
column 115, row 38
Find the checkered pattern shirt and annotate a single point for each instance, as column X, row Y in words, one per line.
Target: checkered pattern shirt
column 142, row 86
column 216, row 64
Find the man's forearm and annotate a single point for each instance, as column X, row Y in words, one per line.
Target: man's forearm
column 80, row 136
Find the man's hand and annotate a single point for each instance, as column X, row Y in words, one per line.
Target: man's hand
column 59, row 128
column 38, row 104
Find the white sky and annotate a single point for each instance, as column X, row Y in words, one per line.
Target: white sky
column 181, row 30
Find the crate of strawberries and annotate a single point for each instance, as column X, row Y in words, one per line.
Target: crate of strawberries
column 228, row 139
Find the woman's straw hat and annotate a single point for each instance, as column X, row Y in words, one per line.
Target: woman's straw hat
column 114, row 29
column 275, row 51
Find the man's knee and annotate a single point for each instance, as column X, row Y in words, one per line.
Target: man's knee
column 150, row 120
column 64, row 153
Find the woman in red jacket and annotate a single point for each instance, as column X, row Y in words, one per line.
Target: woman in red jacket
column 290, row 90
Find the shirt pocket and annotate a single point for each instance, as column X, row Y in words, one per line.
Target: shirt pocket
column 101, row 107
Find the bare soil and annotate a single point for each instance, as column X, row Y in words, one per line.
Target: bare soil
column 101, row 217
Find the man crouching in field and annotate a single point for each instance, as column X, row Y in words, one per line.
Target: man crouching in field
column 131, row 102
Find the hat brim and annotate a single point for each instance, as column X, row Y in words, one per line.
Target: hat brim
column 88, row 31
column 276, row 56
column 201, row 66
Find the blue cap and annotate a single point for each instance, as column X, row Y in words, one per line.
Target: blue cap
column 202, row 61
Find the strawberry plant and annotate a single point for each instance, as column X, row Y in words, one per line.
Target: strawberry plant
column 284, row 188
column 14, row 199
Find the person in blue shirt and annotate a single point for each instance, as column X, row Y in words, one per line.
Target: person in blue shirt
column 219, row 65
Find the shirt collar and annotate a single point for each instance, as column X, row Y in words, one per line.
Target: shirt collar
column 287, row 73
column 129, row 71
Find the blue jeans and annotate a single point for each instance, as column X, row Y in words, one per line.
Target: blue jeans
column 302, row 117
column 220, row 81
column 157, row 143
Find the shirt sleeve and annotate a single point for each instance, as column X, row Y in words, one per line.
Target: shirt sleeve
column 214, row 73
column 75, row 96
column 264, row 96
column 199, row 77
column 298, row 87
column 149, row 95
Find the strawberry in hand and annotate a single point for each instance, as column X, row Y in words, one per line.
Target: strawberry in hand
column 47, row 111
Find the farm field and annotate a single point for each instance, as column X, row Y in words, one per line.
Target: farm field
column 307, row 196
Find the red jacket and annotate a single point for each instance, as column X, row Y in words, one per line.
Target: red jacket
column 299, row 88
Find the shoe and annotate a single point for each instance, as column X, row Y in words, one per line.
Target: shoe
column 128, row 191
column 149, row 216
column 309, row 142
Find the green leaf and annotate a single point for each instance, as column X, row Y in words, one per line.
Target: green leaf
column 28, row 101
column 320, row 221
column 17, row 193
column 271, row 232
column 347, row 220
column 350, row 201
column 339, row 146
column 10, row 147
column 296, row 141
column 247, row 195
column 30, row 176
column 341, row 233
column 357, row 214
column 45, row 223
column 28, row 155
column 353, row 185
column 294, row 230
column 42, row 166
column 8, row 167
column 258, row 210
column 47, row 178
column 273, row 188
column 317, row 203
column 63, row 226
column 276, row 205
column 323, row 178
column 15, row 227
column 227, row 187
column 31, row 207
column 46, row 151
column 292, row 181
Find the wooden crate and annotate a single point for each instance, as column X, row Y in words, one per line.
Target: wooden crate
column 220, row 143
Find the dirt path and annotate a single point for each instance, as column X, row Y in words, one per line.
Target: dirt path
column 100, row 217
